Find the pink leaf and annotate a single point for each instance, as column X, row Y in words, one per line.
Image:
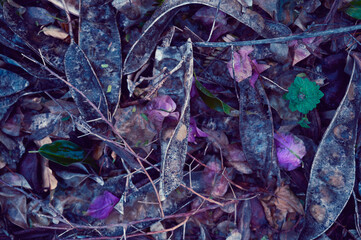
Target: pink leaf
column 102, row 205
column 290, row 150
column 244, row 67
column 242, row 64
column 160, row 108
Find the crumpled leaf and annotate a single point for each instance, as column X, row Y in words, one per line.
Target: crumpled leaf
column 283, row 209
column 242, row 64
column 76, row 174
column 244, row 67
column 132, row 124
column 216, row 183
column 236, row 158
column 194, row 131
column 209, row 173
column 221, row 183
column 332, row 175
column 15, row 180
column 290, row 150
column 159, row 108
column 102, row 205
column 55, row 32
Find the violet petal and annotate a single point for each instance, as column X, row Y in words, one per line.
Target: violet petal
column 290, row 150
column 102, row 205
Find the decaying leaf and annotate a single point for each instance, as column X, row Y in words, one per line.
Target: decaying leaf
column 244, row 67
column 52, row 49
column 133, row 126
column 282, row 210
column 99, row 28
column 160, row 108
column 13, row 204
column 81, row 75
column 256, row 131
column 174, row 140
column 11, row 83
column 37, row 16
column 333, row 170
column 8, row 38
column 194, row 131
column 72, row 5
column 55, row 32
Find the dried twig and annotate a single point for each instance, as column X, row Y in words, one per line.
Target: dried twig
column 279, row 39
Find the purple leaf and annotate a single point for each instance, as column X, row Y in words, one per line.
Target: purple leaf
column 194, row 131
column 257, row 70
column 290, row 150
column 206, row 16
column 102, row 205
column 160, row 108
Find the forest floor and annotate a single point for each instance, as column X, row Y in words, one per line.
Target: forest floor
column 180, row 119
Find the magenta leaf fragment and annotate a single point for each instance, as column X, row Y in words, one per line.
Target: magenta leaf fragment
column 244, row 67
column 159, row 108
column 102, row 205
column 194, row 131
column 290, row 150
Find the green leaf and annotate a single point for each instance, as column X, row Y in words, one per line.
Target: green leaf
column 304, row 122
column 213, row 102
column 109, row 88
column 303, row 95
column 355, row 9
column 63, row 152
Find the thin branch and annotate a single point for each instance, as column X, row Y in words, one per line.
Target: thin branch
column 274, row 83
column 279, row 39
column 214, row 21
column 201, row 196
